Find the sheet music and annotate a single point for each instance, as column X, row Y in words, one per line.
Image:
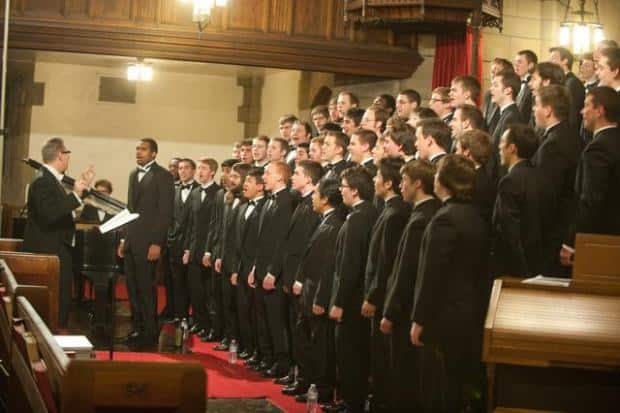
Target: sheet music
column 118, row 221
column 542, row 280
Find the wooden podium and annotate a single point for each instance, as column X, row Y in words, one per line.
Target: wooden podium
column 557, row 348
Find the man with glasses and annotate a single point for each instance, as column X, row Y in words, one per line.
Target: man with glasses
column 50, row 228
column 440, row 103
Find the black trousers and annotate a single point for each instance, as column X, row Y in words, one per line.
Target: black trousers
column 225, row 303
column 445, row 378
column 65, row 256
column 403, row 367
column 291, row 316
column 167, row 279
column 246, row 315
column 142, row 292
column 274, row 310
column 352, row 358
column 379, row 362
column 263, row 336
column 315, row 352
column 198, row 276
column 180, row 293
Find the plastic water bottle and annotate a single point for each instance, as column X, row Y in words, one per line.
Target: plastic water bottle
column 232, row 352
column 312, row 401
column 184, row 335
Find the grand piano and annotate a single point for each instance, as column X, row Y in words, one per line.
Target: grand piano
column 556, row 347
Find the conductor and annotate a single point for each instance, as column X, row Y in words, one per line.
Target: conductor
column 50, row 228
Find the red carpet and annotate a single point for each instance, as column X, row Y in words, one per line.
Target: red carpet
column 223, row 379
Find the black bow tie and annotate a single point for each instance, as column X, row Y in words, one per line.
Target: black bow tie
column 329, row 167
column 272, row 197
column 188, row 186
column 253, row 203
column 143, row 169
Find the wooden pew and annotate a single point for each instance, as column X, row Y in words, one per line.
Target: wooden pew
column 24, row 390
column 41, row 270
column 38, row 295
column 102, row 385
column 94, row 385
column 11, row 244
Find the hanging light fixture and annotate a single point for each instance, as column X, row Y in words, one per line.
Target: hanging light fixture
column 140, row 71
column 581, row 35
column 203, row 10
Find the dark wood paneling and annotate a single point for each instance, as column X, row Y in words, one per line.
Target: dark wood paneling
column 280, row 16
column 291, row 34
column 246, row 14
column 76, row 8
column 111, row 9
column 145, row 10
column 39, row 7
column 174, row 12
column 311, row 17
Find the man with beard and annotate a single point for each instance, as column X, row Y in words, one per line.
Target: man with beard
column 220, row 246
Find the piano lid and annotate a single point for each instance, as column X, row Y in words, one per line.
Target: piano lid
column 545, row 326
column 92, row 197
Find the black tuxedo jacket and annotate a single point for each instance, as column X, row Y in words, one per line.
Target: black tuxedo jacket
column 90, row 214
column 509, row 116
column 382, row 248
column 598, row 175
column 336, row 169
column 490, row 112
column 577, row 93
column 556, row 161
column 350, row 265
column 247, row 238
column 201, row 213
column 316, row 271
column 525, row 101
column 518, row 222
column 213, row 243
column 484, row 194
column 50, row 224
column 451, row 274
column 401, row 282
column 153, row 199
column 275, row 221
column 179, row 228
column 303, row 223
column 370, row 166
column 226, row 245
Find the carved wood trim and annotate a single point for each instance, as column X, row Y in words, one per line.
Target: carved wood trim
column 244, row 48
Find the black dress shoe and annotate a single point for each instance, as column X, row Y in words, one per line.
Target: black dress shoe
column 286, row 380
column 295, row 389
column 225, row 340
column 200, row 332
column 132, row 337
column 255, row 357
column 221, row 347
column 210, row 337
column 244, row 355
column 195, row 328
column 275, row 371
column 301, row 398
column 334, row 407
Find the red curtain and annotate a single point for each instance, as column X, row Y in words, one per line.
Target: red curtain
column 453, row 56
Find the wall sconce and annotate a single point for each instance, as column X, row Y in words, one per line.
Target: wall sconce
column 203, row 9
column 140, row 71
column 581, row 36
